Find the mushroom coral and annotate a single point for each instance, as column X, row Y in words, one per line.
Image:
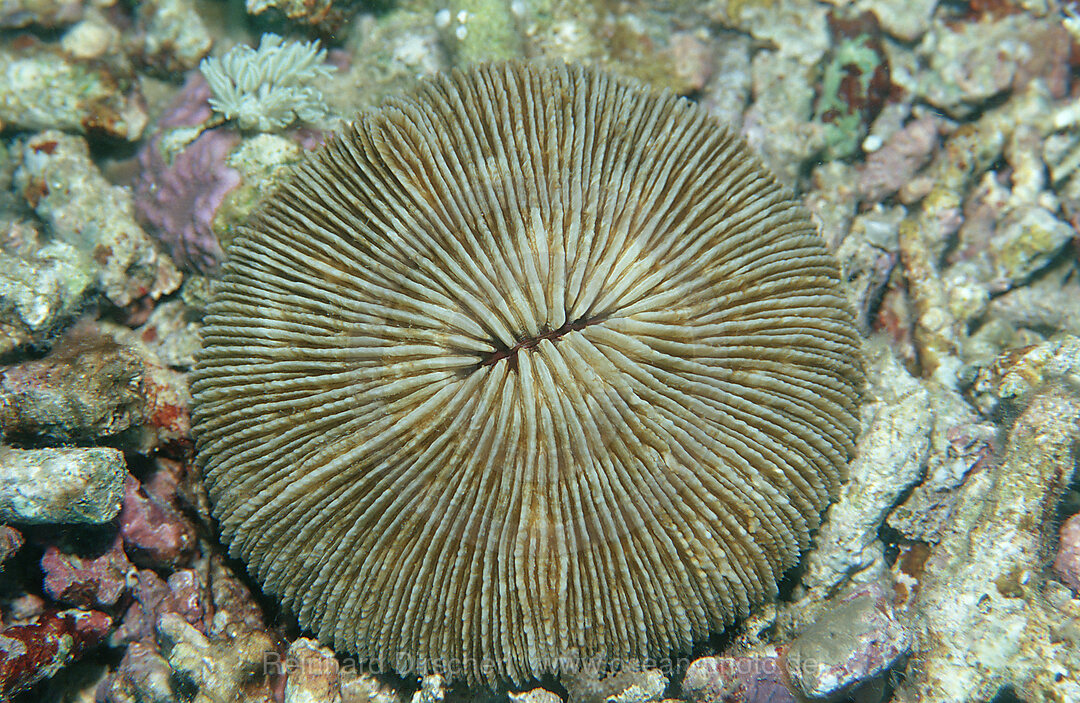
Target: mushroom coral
column 533, row 368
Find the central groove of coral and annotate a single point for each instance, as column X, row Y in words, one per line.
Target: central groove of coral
column 530, row 342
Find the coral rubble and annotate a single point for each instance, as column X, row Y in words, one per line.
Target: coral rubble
column 64, row 187
column 60, row 485
column 935, row 144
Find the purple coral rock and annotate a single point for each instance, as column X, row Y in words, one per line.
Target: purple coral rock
column 36, row 651
column 177, row 200
column 895, row 164
column 181, row 594
column 11, row 541
column 185, row 598
column 752, row 678
column 89, row 581
column 137, row 623
column 851, row 644
column 155, row 533
column 142, row 675
column 1067, row 562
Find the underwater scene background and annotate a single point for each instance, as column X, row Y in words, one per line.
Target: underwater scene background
column 933, row 144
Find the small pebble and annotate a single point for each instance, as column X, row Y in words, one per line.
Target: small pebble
column 87, row 40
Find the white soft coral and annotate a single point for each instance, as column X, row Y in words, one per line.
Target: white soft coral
column 270, row 87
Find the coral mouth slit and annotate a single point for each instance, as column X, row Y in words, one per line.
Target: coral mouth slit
column 511, row 353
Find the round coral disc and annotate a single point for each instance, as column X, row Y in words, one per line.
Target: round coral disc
column 532, row 368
